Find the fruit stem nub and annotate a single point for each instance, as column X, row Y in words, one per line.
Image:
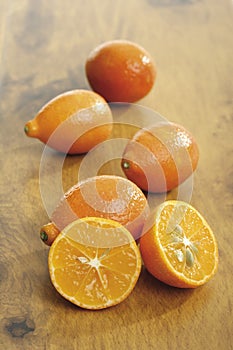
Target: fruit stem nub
column 43, row 236
column 26, row 129
column 125, row 165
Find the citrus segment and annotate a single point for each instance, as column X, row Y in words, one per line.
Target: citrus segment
column 98, row 275
column 179, row 248
column 109, row 196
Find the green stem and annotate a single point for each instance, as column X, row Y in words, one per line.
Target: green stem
column 43, row 236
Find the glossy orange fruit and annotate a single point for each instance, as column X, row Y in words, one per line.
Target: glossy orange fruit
column 161, row 157
column 94, row 263
column 108, row 196
column 179, row 247
column 120, row 71
column 73, row 122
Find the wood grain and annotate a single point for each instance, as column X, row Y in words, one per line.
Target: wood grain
column 43, row 46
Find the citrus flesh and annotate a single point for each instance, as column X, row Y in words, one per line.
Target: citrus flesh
column 94, row 263
column 179, row 248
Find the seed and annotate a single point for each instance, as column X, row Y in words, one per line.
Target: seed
column 178, row 229
column 176, row 239
column 175, row 230
column 180, row 255
column 82, row 259
column 189, row 257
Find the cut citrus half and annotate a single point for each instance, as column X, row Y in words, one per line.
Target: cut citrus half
column 94, row 263
column 179, row 247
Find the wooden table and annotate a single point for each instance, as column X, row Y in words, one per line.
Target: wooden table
column 43, row 47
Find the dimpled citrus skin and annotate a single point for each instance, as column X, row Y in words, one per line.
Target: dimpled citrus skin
column 161, row 157
column 120, row 71
column 72, row 122
column 107, row 196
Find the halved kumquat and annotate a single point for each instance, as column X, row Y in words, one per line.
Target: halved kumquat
column 94, row 263
column 179, row 248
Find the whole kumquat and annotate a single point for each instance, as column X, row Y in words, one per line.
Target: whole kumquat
column 160, row 157
column 72, row 122
column 120, row 71
column 108, row 196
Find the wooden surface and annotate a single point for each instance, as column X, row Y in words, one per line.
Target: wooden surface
column 43, row 47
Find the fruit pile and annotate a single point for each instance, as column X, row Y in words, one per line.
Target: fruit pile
column 103, row 227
